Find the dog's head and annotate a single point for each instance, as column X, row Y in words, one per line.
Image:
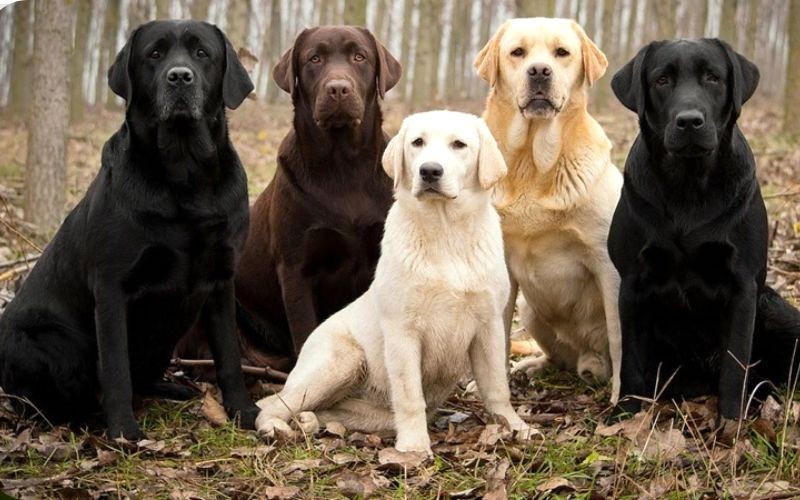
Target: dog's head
column 539, row 63
column 687, row 93
column 337, row 70
column 173, row 70
column 440, row 155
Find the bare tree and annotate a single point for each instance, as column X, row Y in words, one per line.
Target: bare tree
column 791, row 117
column 45, row 175
column 21, row 58
column 355, row 12
column 82, row 23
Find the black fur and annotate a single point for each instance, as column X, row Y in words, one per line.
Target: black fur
column 689, row 235
column 149, row 251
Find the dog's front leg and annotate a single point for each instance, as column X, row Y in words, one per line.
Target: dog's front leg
column 298, row 302
column 402, row 355
column 114, row 373
column 737, row 346
column 609, row 287
column 489, row 367
column 632, row 382
column 219, row 320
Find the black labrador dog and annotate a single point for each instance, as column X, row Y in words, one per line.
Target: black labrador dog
column 150, row 250
column 689, row 235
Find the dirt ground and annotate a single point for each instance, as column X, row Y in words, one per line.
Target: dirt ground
column 669, row 451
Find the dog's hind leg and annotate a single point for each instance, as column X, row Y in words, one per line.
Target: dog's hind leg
column 776, row 341
column 330, row 362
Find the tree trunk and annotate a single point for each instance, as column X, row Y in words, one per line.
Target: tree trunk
column 408, row 32
column 199, row 10
column 274, row 47
column 727, row 26
column 535, row 8
column 110, row 28
column 426, row 56
column 45, row 174
column 82, row 23
column 355, row 12
column 238, row 15
column 21, row 59
column 791, row 117
column 665, row 16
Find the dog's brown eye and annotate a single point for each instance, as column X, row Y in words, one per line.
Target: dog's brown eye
column 662, row 80
column 712, row 78
column 458, row 144
column 358, row 58
column 518, row 52
column 562, row 52
column 315, row 59
column 202, row 53
column 154, row 54
column 418, row 142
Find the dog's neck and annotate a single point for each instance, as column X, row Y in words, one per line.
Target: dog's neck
column 558, row 159
column 181, row 153
column 344, row 147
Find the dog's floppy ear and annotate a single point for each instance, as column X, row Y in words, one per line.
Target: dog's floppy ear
column 389, row 70
column 487, row 62
column 394, row 156
column 236, row 83
column 491, row 164
column 744, row 76
column 119, row 78
column 628, row 84
column 285, row 72
column 595, row 62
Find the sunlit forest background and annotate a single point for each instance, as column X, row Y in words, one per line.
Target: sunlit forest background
column 436, row 40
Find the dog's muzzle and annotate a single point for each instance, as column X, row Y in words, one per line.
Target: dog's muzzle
column 180, row 95
column 338, row 105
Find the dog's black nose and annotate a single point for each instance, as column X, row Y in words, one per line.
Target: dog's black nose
column 180, row 75
column 338, row 88
column 540, row 71
column 430, row 171
column 690, row 119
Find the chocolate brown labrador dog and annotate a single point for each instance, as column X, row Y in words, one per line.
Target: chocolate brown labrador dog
column 315, row 231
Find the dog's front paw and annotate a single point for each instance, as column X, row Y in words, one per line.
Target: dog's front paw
column 128, row 430
column 407, row 444
column 246, row 416
column 307, row 422
column 273, row 427
column 531, row 365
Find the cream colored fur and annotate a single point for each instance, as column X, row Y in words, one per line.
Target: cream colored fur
column 434, row 310
column 559, row 196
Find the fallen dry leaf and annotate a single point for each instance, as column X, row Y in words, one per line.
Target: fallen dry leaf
column 493, row 433
column 391, row 459
column 353, row 485
column 496, row 481
column 280, row 492
column 661, row 445
column 213, row 410
column 553, row 484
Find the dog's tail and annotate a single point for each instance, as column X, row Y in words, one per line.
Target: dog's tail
column 262, row 334
column 776, row 342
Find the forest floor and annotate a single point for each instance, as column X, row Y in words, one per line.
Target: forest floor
column 671, row 450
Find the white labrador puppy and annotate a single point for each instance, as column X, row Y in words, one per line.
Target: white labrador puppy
column 434, row 310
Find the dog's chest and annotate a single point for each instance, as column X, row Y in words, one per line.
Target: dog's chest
column 681, row 274
column 183, row 257
column 552, row 274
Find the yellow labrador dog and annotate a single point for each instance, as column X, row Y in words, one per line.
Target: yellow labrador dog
column 560, row 193
column 434, row 310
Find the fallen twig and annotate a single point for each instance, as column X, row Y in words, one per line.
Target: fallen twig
column 23, row 260
column 14, row 272
column 261, row 371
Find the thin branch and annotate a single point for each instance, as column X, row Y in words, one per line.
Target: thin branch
column 260, row 371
